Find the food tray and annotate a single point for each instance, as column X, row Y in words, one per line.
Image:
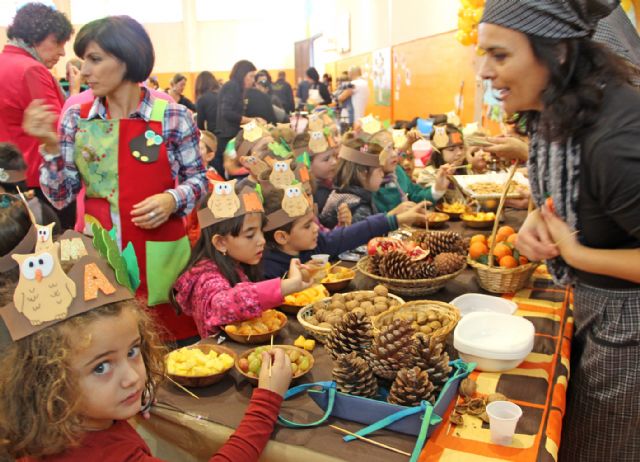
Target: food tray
column 464, row 181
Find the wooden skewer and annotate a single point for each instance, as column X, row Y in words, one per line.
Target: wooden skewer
column 375, row 443
column 566, row 237
column 182, row 388
column 270, row 358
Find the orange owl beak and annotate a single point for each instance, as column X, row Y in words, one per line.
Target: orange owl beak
column 38, row 275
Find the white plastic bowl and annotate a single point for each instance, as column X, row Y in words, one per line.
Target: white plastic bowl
column 497, row 342
column 472, row 303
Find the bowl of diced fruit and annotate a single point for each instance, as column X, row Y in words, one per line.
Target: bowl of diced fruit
column 258, row 330
column 249, row 363
column 338, row 278
column 293, row 302
column 199, row 365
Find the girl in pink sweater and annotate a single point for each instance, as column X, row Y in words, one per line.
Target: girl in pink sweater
column 221, row 283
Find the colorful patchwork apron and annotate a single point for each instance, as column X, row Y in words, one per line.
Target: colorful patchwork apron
column 122, row 162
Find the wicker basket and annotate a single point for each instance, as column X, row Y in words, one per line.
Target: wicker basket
column 495, row 278
column 409, row 287
column 321, row 333
column 450, row 312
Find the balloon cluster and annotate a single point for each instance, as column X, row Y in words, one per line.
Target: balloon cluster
column 469, row 16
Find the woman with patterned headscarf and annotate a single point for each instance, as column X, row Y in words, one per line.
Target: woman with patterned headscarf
column 584, row 163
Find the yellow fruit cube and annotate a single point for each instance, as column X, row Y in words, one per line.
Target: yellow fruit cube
column 309, row 344
column 299, row 342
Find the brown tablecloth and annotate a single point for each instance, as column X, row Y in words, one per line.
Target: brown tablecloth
column 200, row 426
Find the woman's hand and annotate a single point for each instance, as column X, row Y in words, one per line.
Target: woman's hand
column 38, row 121
column 295, row 281
column 153, row 211
column 563, row 236
column 509, row 147
column 415, row 214
column 442, row 177
column 344, row 215
column 534, row 239
column 279, row 378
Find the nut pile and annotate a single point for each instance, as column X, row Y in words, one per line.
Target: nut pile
column 422, row 318
column 471, row 405
column 329, row 312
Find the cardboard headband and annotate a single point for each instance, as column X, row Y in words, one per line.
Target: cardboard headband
column 295, row 204
column 224, row 203
column 442, row 140
column 360, row 157
column 12, row 176
column 45, row 295
column 209, row 139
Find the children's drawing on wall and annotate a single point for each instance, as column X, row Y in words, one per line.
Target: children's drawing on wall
column 401, row 73
column 381, row 76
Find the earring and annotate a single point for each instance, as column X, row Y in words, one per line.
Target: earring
column 224, row 252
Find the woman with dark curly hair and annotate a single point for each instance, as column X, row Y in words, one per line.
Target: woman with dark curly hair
column 584, row 163
column 36, row 42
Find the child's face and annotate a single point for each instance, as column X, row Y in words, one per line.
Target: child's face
column 453, row 155
column 373, row 180
column 391, row 162
column 407, row 163
column 323, row 166
column 248, row 246
column 304, row 234
column 205, row 154
column 110, row 369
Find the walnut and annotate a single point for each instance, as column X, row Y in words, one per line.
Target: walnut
column 320, row 315
column 426, row 330
column 456, row 419
column 468, row 387
column 334, row 319
column 340, row 298
column 379, row 299
column 380, row 308
column 311, row 320
column 496, row 397
column 326, row 325
column 366, row 305
column 319, row 306
column 336, row 306
column 351, row 305
column 476, row 406
column 381, row 290
column 359, row 310
column 422, row 317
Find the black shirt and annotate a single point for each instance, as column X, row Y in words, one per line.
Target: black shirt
column 259, row 105
column 187, row 102
column 207, row 109
column 230, row 109
column 283, row 91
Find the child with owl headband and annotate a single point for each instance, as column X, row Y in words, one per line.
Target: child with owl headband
column 222, row 281
column 68, row 385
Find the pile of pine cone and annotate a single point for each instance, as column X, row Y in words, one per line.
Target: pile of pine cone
column 446, row 254
column 415, row 365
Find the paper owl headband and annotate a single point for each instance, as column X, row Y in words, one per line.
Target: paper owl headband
column 295, row 204
column 442, row 140
column 360, row 156
column 46, row 295
column 224, row 203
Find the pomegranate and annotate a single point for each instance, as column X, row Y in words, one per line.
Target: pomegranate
column 417, row 253
column 380, row 245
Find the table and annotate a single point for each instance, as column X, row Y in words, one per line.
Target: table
column 185, row 429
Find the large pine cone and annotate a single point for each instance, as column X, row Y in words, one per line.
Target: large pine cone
column 391, row 350
column 444, row 241
column 410, row 387
column 374, row 263
column 354, row 376
column 429, row 355
column 426, row 270
column 448, row 263
column 352, row 334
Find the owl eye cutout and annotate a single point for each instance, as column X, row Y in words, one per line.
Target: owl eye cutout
column 291, row 192
column 219, row 188
column 43, row 233
column 43, row 262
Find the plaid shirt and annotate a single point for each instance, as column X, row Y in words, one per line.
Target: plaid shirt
column 59, row 177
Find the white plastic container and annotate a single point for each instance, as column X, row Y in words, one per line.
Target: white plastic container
column 472, row 303
column 497, row 342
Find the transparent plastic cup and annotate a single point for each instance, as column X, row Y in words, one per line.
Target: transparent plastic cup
column 503, row 418
column 321, row 258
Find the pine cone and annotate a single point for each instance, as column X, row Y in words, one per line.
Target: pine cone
column 448, row 263
column 410, row 387
column 391, row 350
column 353, row 333
column 421, row 238
column 374, row 263
column 426, row 270
column 445, row 241
column 430, row 356
column 398, row 265
column 354, row 376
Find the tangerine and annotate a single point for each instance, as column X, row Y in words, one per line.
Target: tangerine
column 512, row 238
column 523, row 260
column 479, row 238
column 502, row 250
column 477, row 249
column 506, row 230
column 508, row 262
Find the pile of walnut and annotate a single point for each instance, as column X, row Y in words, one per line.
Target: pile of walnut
column 422, row 318
column 472, row 406
column 329, row 312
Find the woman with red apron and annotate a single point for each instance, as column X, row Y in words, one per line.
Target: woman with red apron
column 137, row 157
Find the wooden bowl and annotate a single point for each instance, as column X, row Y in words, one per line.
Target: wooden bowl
column 340, row 284
column 258, row 338
column 438, row 220
column 297, row 375
column 205, row 380
column 293, row 308
column 484, row 224
column 454, row 216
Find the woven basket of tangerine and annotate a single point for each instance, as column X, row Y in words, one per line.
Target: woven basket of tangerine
column 501, row 270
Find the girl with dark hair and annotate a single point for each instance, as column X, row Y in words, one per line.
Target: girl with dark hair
column 176, row 90
column 206, row 101
column 584, row 164
column 231, row 107
column 136, row 155
column 221, row 283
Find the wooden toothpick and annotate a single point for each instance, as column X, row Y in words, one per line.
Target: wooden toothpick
column 182, row 388
column 370, row 441
column 270, row 357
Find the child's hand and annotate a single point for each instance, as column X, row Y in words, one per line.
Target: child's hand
column 403, row 207
column 415, row 214
column 280, row 372
column 295, row 281
column 442, row 177
column 344, row 215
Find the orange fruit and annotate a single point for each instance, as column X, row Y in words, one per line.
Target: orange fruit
column 508, row 262
column 502, row 250
column 479, row 238
column 523, row 260
column 477, row 249
column 506, row 230
column 512, row 238
column 500, row 237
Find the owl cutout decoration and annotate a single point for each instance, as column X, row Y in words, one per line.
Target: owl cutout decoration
column 255, row 165
column 44, row 291
column 224, row 201
column 315, row 123
column 295, row 202
column 318, row 142
column 440, row 137
column 453, row 118
column 251, row 131
column 370, row 124
column 44, row 237
column 281, row 175
column 399, row 138
column 146, row 147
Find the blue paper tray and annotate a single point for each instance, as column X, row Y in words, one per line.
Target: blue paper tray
column 367, row 411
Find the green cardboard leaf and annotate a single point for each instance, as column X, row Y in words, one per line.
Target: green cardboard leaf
column 112, row 233
column 285, row 144
column 386, row 124
column 327, row 131
column 119, row 267
column 259, row 191
column 99, row 239
column 129, row 255
column 304, row 158
column 279, row 150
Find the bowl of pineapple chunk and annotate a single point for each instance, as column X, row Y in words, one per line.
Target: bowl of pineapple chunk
column 258, row 330
column 200, row 365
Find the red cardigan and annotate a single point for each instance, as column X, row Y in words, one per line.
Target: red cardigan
column 23, row 79
column 121, row 443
